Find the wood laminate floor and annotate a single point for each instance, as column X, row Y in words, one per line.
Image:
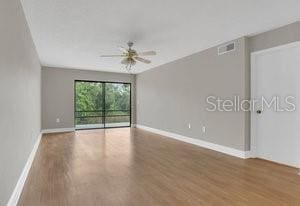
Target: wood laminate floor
column 134, row 167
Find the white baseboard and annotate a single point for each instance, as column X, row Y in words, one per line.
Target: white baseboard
column 58, row 130
column 13, row 201
column 249, row 154
column 201, row 143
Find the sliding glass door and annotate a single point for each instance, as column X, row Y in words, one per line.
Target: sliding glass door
column 102, row 104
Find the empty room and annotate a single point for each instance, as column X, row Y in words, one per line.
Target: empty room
column 158, row 103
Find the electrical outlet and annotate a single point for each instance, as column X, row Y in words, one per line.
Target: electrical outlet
column 203, row 129
column 57, row 120
column 189, row 125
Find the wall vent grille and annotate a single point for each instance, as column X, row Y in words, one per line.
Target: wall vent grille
column 226, row 48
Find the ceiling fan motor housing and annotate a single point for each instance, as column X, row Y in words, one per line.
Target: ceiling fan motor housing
column 130, row 44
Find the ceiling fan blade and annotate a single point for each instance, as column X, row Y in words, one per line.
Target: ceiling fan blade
column 146, row 61
column 117, row 55
column 147, row 53
column 122, row 49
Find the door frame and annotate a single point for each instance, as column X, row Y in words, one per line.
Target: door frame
column 112, row 82
column 253, row 130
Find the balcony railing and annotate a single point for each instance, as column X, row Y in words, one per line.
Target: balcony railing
column 102, row 118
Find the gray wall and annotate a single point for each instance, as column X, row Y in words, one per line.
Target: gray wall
column 20, row 76
column 173, row 95
column 58, row 93
column 276, row 37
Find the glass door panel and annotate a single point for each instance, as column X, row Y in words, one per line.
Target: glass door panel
column 89, row 105
column 117, row 105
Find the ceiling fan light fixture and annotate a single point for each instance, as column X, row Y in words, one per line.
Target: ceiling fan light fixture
column 128, row 67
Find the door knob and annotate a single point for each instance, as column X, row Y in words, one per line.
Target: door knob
column 258, row 111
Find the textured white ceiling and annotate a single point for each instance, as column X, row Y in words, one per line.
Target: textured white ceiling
column 74, row 33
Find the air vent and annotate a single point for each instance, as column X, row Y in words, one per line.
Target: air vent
column 230, row 47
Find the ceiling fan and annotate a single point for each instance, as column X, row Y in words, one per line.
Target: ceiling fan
column 131, row 56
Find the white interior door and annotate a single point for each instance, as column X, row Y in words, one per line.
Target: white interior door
column 276, row 134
